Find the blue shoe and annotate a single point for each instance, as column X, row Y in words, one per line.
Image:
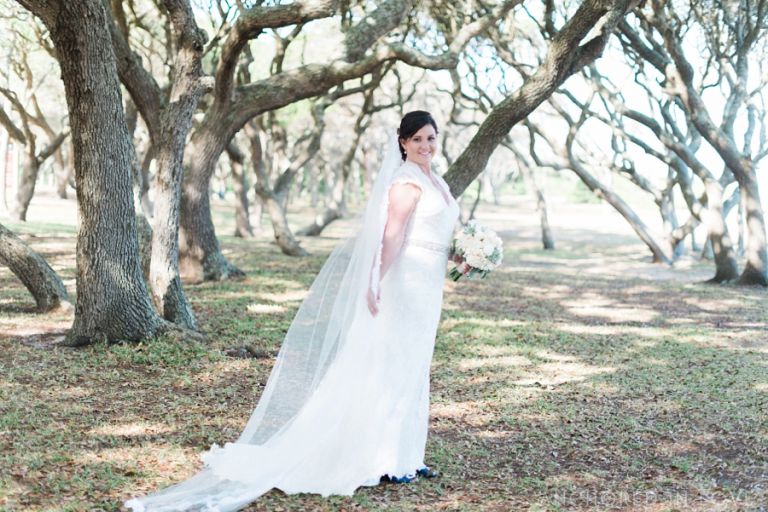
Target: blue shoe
column 427, row 472
column 405, row 479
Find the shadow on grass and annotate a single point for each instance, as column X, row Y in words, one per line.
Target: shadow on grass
column 553, row 388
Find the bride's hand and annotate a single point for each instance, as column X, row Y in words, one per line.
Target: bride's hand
column 457, row 259
column 373, row 301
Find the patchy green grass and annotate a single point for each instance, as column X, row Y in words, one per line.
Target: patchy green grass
column 580, row 379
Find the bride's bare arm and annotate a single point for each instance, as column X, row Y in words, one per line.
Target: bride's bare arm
column 402, row 202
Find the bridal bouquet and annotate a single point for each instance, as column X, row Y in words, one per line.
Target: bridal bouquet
column 479, row 247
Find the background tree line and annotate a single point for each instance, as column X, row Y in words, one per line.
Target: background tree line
column 166, row 100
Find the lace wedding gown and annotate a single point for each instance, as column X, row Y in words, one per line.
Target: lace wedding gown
column 368, row 415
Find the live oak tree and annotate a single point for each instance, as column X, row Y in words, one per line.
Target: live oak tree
column 733, row 34
column 234, row 105
column 567, row 53
column 470, row 102
column 32, row 269
column 168, row 117
column 26, row 131
column 112, row 300
column 337, row 193
column 679, row 145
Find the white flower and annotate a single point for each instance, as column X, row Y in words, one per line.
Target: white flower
column 481, row 247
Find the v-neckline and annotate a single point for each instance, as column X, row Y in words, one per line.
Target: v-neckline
column 446, row 196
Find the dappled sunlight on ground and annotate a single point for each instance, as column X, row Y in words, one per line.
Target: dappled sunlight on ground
column 134, row 429
column 585, row 378
column 556, row 373
column 260, row 309
column 608, row 312
column 289, row 296
column 498, row 361
column 608, row 330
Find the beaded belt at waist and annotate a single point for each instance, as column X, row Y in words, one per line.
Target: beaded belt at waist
column 426, row 244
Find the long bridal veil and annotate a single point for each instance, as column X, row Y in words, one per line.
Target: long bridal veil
column 317, row 333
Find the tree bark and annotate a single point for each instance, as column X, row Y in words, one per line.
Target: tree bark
column 243, row 227
column 31, row 168
column 670, row 223
column 200, row 254
column 271, row 200
column 680, row 82
column 26, row 188
column 175, row 123
column 547, row 241
column 112, row 300
column 63, row 173
column 726, row 266
column 146, row 205
column 756, row 266
column 634, row 220
column 234, row 106
column 32, row 269
column 566, row 55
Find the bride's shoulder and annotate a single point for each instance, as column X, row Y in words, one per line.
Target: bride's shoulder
column 406, row 173
column 407, row 169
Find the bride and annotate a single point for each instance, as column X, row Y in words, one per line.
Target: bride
column 347, row 400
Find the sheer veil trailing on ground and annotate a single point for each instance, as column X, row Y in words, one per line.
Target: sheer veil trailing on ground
column 315, row 336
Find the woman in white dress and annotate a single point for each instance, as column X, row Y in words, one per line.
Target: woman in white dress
column 348, row 398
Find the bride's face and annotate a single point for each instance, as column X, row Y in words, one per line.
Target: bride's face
column 421, row 146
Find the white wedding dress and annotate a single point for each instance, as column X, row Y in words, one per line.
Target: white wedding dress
column 368, row 415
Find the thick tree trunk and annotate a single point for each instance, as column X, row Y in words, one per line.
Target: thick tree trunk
column 726, row 266
column 201, row 258
column 710, row 211
column 175, row 123
column 283, row 234
column 26, row 188
column 112, row 300
column 32, row 269
column 756, row 267
column 243, row 228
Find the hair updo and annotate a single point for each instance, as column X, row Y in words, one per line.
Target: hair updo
column 411, row 123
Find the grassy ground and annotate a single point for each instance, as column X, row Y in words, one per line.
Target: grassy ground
column 578, row 379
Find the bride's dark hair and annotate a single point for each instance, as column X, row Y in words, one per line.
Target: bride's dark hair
column 411, row 123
